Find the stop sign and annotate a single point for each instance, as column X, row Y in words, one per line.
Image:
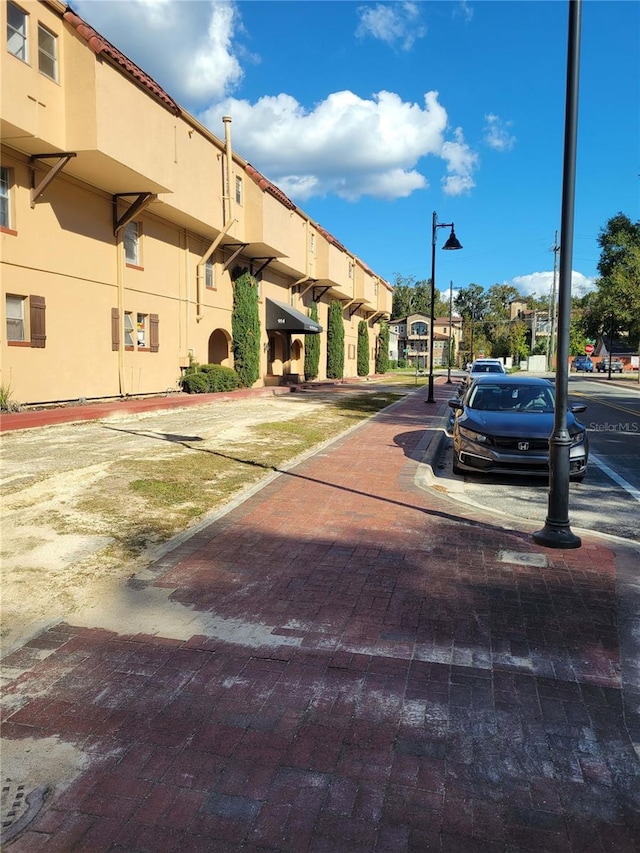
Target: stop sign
column 588, row 349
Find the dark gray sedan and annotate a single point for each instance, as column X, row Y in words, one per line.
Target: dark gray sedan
column 503, row 423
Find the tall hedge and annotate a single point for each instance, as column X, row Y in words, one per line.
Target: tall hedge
column 245, row 328
column 312, row 348
column 335, row 341
column 382, row 354
column 363, row 348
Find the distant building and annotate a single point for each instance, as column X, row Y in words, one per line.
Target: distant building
column 413, row 339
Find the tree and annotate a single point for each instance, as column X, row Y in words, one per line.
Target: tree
column 245, row 327
column 363, row 348
column 382, row 354
column 335, row 341
column 617, row 303
column 414, row 297
column 518, row 347
column 472, row 302
column 312, row 348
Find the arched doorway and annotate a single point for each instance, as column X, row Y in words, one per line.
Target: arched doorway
column 219, row 349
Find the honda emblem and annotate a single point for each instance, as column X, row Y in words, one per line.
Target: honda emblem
column 523, row 445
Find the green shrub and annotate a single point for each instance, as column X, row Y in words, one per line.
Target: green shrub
column 382, row 354
column 312, row 348
column 220, row 378
column 7, row 403
column 363, row 348
column 335, row 341
column 245, row 327
column 195, row 383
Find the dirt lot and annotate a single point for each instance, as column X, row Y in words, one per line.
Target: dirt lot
column 87, row 505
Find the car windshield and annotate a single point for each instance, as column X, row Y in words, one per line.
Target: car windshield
column 511, row 398
column 489, row 367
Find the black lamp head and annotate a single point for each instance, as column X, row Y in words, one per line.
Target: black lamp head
column 452, row 242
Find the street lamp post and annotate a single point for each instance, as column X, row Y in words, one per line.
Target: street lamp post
column 557, row 532
column 452, row 243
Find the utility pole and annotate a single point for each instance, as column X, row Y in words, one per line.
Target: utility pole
column 552, row 306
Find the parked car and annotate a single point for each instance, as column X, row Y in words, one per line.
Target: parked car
column 503, row 424
column 481, row 366
column 583, row 362
column 617, row 366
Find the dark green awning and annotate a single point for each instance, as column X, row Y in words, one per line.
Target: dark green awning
column 281, row 317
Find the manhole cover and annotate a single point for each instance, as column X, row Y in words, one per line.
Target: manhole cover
column 18, row 807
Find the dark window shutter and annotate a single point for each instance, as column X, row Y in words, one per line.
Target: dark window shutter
column 115, row 329
column 38, row 324
column 154, row 332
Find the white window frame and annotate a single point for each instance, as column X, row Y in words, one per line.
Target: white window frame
column 209, row 279
column 18, row 33
column 6, row 182
column 48, row 56
column 131, row 239
column 238, row 190
column 128, row 329
column 15, row 313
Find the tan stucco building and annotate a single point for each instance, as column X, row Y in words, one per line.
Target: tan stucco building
column 123, row 219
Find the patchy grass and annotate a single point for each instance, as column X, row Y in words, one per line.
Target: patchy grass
column 147, row 501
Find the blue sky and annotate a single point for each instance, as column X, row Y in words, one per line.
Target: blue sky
column 371, row 116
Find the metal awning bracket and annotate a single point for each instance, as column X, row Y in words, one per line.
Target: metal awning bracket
column 266, row 262
column 239, row 247
column 319, row 292
column 37, row 190
column 141, row 201
column 354, row 307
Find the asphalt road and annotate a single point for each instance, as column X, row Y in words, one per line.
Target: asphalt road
column 608, row 501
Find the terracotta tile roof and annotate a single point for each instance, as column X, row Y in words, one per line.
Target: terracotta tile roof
column 267, row 187
column 331, row 239
column 102, row 47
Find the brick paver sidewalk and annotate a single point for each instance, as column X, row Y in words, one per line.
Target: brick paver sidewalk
column 359, row 669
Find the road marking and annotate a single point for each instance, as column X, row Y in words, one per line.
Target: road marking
column 635, row 493
column 605, row 403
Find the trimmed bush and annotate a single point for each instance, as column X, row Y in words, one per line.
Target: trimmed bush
column 220, row 378
column 335, row 342
column 245, row 328
column 312, row 348
column 382, row 355
column 194, row 383
column 363, row 348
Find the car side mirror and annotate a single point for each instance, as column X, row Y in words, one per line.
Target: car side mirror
column 579, row 407
column 456, row 404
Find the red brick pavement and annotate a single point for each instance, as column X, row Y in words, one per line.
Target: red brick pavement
column 378, row 674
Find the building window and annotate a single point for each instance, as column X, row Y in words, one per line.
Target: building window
column 128, row 329
column 47, row 53
column 26, row 321
column 5, row 198
column 350, row 270
column 238, row 190
column 132, row 243
column 208, row 274
column 312, row 244
column 15, row 318
column 17, row 21
column 141, row 330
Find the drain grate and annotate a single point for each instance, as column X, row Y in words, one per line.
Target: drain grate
column 18, row 807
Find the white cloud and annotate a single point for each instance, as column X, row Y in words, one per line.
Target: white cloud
column 346, row 145
column 461, row 164
column 393, row 23
column 497, row 133
column 187, row 47
column 540, row 283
